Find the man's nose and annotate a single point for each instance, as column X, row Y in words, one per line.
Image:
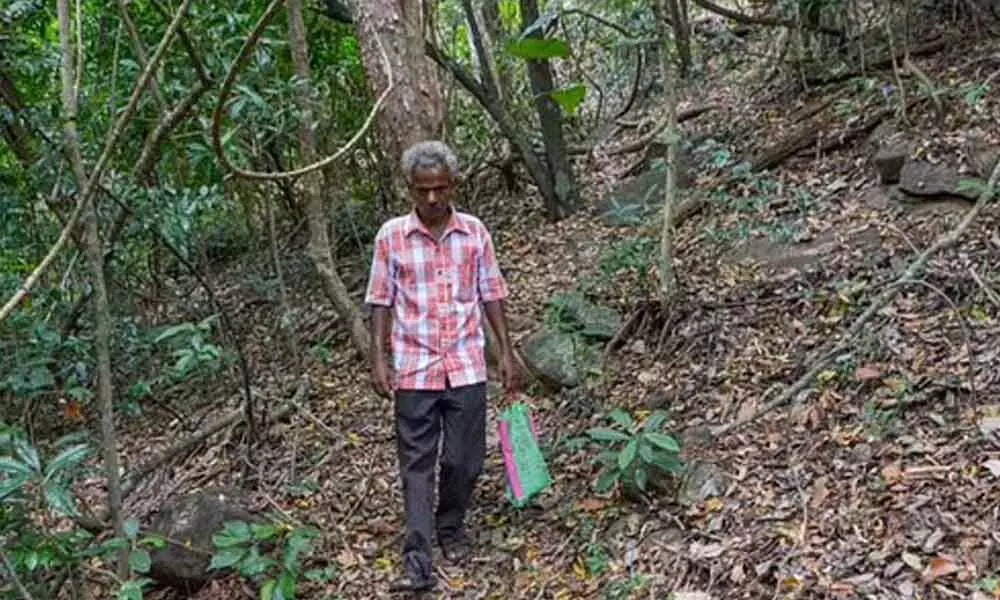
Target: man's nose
column 432, row 197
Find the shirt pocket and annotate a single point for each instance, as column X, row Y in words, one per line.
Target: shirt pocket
column 467, row 284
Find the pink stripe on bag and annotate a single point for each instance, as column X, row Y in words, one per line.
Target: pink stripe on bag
column 513, row 477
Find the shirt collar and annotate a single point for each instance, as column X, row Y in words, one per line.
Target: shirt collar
column 455, row 223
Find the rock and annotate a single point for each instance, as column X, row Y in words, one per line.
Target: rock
column 773, row 255
column 592, row 321
column 559, row 359
column 188, row 523
column 702, row 480
column 889, row 162
column 924, row 180
column 982, row 157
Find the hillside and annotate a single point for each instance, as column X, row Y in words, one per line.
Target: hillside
column 878, row 479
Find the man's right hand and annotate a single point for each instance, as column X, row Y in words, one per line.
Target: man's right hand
column 382, row 379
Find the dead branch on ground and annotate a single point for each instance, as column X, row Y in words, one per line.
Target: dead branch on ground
column 912, row 271
column 235, row 417
column 883, row 62
column 810, row 136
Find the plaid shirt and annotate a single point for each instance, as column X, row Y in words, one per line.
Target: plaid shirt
column 435, row 289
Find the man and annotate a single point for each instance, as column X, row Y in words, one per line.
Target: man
column 432, row 269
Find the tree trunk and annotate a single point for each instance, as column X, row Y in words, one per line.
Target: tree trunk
column 563, row 201
column 414, row 111
column 678, row 14
column 319, row 239
column 20, row 141
column 95, row 260
column 668, row 279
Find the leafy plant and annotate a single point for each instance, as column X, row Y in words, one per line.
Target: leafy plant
column 272, row 552
column 33, row 484
column 635, row 451
column 635, row 254
column 194, row 355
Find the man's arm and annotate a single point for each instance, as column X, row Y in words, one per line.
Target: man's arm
column 380, row 296
column 493, row 294
column 497, row 318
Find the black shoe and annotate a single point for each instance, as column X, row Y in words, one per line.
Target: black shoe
column 410, row 583
column 457, row 550
column 418, row 575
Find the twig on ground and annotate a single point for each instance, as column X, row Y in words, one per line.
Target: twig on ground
column 990, row 293
column 915, row 267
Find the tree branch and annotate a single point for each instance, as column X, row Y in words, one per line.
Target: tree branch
column 85, row 194
column 755, row 20
column 227, row 85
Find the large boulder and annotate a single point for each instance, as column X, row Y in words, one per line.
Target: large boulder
column 188, row 523
column 559, row 359
column 589, row 319
column 924, row 180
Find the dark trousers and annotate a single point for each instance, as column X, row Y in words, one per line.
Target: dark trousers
column 455, row 418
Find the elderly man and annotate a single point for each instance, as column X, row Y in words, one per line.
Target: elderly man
column 433, row 270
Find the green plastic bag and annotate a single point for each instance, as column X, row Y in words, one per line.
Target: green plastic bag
column 527, row 473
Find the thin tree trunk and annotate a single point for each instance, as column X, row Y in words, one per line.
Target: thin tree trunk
column 415, row 111
column 319, row 238
column 563, row 184
column 95, row 259
column 668, row 279
column 678, row 14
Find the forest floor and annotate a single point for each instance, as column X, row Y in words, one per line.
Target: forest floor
column 879, row 481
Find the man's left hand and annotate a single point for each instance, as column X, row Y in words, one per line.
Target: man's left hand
column 510, row 373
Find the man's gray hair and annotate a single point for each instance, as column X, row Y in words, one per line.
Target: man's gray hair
column 430, row 154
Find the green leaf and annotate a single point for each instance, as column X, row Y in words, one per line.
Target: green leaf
column 264, row 532
column 233, row 533
column 9, row 486
column 226, row 558
column 646, row 452
column 537, row 49
column 570, row 98
column 131, row 528
column 655, row 421
column 664, row 441
column 28, row 455
column 267, row 590
column 297, row 544
column 11, row 466
column 607, row 481
column 174, row 331
column 668, row 463
column 641, row 477
column 254, row 564
column 628, row 454
column 156, row 541
column 600, row 434
column 130, row 590
column 286, row 586
column 139, row 561
column 60, row 500
column 622, row 418
column 608, row 458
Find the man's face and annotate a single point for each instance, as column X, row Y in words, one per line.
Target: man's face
column 431, row 191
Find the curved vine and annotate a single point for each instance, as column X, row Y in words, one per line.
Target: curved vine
column 227, row 85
